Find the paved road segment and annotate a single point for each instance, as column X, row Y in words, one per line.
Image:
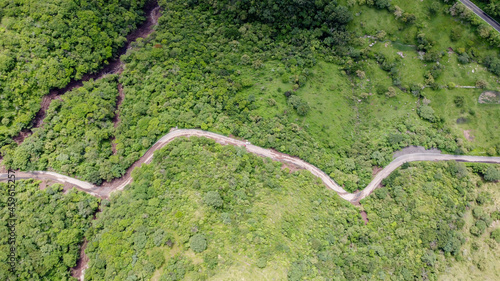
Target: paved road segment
column 481, row 14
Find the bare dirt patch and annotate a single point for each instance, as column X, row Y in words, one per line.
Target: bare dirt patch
column 468, row 135
column 21, row 136
column 376, row 170
column 116, row 118
column 119, row 99
column 364, row 216
column 489, row 97
column 81, row 264
column 291, row 168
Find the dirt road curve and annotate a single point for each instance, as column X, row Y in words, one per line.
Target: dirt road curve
column 119, row 184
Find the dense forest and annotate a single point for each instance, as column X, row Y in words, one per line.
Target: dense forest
column 75, row 137
column 202, row 211
column 340, row 84
column 46, row 44
column 243, row 77
column 49, row 230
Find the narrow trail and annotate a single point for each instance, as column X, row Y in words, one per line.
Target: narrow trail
column 118, row 184
column 152, row 13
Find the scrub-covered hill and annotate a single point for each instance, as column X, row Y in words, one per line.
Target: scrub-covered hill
column 46, row 44
column 203, row 211
column 343, row 105
column 47, row 229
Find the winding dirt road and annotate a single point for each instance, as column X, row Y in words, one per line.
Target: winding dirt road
column 106, row 189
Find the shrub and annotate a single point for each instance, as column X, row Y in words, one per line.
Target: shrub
column 198, row 243
column 391, row 92
column 415, row 89
column 482, row 198
column 382, row 4
column 212, row 198
column 427, row 113
column 478, row 228
column 456, row 33
column 381, row 193
column 464, row 58
column 261, row 262
column 459, row 101
column 492, row 174
column 481, row 84
column 429, row 258
column 493, row 64
column 361, row 74
column 495, row 235
column 301, row 106
column 495, row 215
column 157, row 258
column 457, row 169
column 245, row 59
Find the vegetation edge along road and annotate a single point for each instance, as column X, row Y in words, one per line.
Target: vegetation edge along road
column 118, row 184
column 480, row 13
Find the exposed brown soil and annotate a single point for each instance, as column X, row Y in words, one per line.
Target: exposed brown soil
column 291, row 168
column 152, row 11
column 468, row 135
column 116, row 118
column 113, row 145
column 364, row 216
column 376, row 170
column 119, row 99
column 490, row 97
column 21, row 136
column 47, row 182
column 82, row 262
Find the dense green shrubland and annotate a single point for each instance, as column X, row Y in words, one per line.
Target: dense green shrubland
column 49, row 230
column 192, row 73
column 45, row 44
column 75, row 136
column 204, row 211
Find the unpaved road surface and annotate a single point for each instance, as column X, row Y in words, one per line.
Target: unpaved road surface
column 118, row 184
